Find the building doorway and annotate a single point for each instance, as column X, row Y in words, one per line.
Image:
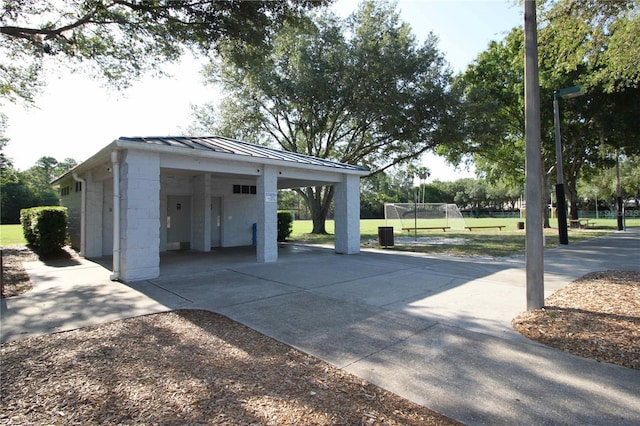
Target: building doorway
column 178, row 222
column 216, row 222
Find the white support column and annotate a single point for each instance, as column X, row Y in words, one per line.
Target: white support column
column 93, row 216
column 267, row 207
column 347, row 215
column 201, row 210
column 139, row 216
column 83, row 213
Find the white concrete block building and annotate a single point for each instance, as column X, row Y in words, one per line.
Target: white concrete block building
column 141, row 196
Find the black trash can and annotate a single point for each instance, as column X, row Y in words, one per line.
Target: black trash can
column 385, row 236
column 520, row 225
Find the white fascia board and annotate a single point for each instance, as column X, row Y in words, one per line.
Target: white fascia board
column 310, row 175
column 208, row 164
column 235, row 158
column 100, row 157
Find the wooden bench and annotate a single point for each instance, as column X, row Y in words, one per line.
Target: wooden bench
column 579, row 223
column 444, row 228
column 471, row 228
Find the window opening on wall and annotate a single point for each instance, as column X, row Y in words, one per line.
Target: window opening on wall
column 244, row 189
column 64, row 191
column 78, row 186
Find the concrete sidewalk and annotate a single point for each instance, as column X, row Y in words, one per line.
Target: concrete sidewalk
column 436, row 330
column 69, row 294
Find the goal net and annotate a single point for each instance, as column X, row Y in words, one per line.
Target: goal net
column 423, row 215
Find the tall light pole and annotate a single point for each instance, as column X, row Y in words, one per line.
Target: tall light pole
column 534, row 249
column 561, row 200
column 620, row 209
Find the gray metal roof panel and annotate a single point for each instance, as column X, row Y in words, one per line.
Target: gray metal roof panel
column 236, row 147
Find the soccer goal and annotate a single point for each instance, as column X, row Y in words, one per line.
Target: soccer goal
column 416, row 216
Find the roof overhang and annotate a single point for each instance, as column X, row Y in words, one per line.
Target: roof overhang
column 300, row 170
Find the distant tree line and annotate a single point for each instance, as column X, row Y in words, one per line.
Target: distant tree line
column 29, row 188
column 476, row 197
column 469, row 194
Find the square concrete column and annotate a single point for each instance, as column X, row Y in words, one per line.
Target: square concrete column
column 201, row 210
column 267, row 208
column 139, row 216
column 92, row 239
column 347, row 215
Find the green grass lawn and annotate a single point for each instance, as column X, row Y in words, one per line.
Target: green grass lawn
column 508, row 241
column 492, row 242
column 11, row 235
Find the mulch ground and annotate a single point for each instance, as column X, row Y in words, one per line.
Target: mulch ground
column 197, row 367
column 597, row 317
column 15, row 280
column 186, row 367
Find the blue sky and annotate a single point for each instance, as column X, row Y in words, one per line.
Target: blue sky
column 76, row 116
column 464, row 27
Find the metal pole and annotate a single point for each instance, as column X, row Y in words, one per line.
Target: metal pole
column 446, row 215
column 619, row 192
column 561, row 201
column 415, row 215
column 1, row 273
column 534, row 254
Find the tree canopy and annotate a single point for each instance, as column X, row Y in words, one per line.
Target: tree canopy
column 601, row 184
column 29, row 188
column 360, row 91
column 491, row 113
column 579, row 45
column 601, row 36
column 122, row 39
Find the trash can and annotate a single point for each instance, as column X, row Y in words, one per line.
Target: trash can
column 385, row 236
column 520, row 225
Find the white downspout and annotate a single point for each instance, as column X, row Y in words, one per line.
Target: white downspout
column 116, row 216
column 83, row 214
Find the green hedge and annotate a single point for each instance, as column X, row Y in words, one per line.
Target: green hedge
column 45, row 228
column 285, row 225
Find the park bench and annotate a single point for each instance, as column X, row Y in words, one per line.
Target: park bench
column 444, row 228
column 471, row 228
column 579, row 223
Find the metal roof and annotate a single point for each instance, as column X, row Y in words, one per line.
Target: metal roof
column 225, row 145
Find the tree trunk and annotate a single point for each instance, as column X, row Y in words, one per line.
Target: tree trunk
column 571, row 187
column 318, row 199
column 319, row 221
column 574, row 209
column 573, row 203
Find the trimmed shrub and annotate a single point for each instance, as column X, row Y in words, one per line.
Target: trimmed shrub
column 285, row 225
column 45, row 228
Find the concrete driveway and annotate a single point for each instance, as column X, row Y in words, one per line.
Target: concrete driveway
column 435, row 330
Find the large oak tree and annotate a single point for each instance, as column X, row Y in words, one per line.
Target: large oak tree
column 360, row 91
